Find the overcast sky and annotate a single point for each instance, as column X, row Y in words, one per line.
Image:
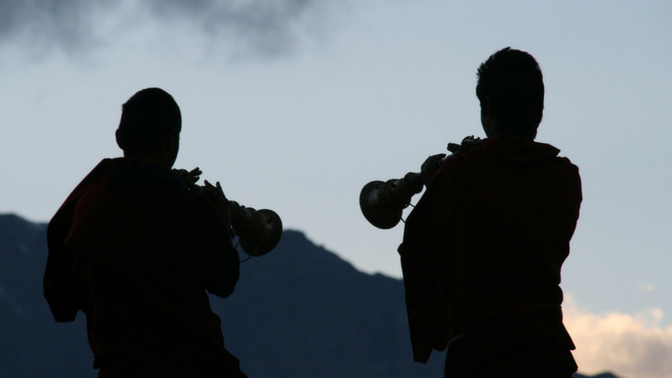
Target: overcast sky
column 295, row 105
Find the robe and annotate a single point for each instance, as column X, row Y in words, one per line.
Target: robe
column 485, row 244
column 137, row 252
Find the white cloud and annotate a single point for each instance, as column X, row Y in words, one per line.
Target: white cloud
column 630, row 346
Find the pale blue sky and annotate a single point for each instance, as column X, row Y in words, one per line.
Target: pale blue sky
column 297, row 108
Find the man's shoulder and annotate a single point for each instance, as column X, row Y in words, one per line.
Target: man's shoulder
column 459, row 163
column 512, row 151
column 495, row 158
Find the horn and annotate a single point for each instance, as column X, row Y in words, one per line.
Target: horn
column 383, row 203
column 258, row 231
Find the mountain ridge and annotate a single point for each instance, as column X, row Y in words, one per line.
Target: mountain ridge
column 299, row 311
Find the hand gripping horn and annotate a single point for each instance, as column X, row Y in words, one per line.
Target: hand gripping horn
column 258, row 231
column 382, row 203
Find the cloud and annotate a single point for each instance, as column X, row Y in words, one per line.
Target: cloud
column 267, row 27
column 46, row 23
column 629, row 346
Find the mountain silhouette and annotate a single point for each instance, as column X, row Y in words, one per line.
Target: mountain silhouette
column 299, row 311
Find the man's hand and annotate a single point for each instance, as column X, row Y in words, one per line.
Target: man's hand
column 190, row 177
column 429, row 167
column 216, row 195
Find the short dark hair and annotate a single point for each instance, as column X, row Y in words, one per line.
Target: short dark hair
column 145, row 118
column 513, row 82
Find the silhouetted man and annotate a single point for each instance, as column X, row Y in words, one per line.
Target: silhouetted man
column 135, row 250
column 483, row 248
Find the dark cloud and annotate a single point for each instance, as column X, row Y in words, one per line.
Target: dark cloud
column 270, row 27
column 40, row 24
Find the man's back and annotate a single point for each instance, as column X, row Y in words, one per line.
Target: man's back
column 512, row 211
column 145, row 250
column 488, row 238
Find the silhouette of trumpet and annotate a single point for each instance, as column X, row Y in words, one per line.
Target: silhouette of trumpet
column 258, row 231
column 383, row 203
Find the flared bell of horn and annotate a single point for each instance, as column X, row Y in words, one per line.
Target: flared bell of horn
column 259, row 231
column 383, row 203
column 376, row 211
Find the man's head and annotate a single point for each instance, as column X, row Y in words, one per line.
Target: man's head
column 511, row 91
column 150, row 125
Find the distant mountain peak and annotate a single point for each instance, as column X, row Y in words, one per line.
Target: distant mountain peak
column 299, row 311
